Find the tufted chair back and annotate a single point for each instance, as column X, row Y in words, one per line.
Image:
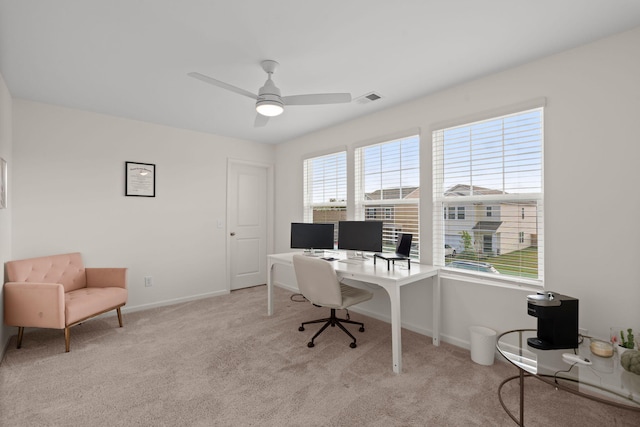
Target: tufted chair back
column 66, row 269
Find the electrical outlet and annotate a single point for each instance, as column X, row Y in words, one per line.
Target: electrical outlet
column 148, row 281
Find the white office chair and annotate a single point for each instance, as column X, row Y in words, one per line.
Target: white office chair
column 318, row 283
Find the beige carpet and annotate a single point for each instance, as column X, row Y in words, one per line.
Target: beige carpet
column 223, row 362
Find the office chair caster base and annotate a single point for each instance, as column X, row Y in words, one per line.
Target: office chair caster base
column 333, row 321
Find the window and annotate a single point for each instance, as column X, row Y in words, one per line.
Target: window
column 492, row 169
column 325, row 189
column 388, row 180
column 452, row 212
column 460, row 212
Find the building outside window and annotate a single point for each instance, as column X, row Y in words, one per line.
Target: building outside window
column 492, row 170
column 387, row 179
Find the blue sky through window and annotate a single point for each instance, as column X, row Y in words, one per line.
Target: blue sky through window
column 392, row 165
column 504, row 154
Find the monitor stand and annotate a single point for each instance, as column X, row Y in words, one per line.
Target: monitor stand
column 392, row 258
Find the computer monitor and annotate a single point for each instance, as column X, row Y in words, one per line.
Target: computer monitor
column 363, row 236
column 311, row 236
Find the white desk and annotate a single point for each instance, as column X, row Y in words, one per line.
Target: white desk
column 390, row 280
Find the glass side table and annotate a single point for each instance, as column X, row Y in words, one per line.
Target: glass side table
column 604, row 380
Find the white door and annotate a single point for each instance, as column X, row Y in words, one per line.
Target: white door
column 247, row 213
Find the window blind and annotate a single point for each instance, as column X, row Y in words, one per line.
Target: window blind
column 488, row 196
column 388, row 188
column 325, row 189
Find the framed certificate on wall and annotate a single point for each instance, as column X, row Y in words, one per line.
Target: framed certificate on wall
column 140, row 179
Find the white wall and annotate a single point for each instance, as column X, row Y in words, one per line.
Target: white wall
column 5, row 214
column 68, row 195
column 591, row 174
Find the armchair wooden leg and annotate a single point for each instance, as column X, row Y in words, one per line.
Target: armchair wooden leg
column 67, row 338
column 20, row 333
column 119, row 316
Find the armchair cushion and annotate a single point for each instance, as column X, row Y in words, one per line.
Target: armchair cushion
column 88, row 302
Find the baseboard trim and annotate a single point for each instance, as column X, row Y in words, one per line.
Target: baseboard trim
column 134, row 308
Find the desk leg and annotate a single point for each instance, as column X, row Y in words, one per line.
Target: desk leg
column 396, row 327
column 436, row 309
column 270, row 288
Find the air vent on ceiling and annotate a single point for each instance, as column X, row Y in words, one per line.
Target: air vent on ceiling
column 369, row 97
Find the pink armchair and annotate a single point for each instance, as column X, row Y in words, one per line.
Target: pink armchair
column 59, row 292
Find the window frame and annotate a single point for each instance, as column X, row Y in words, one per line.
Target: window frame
column 439, row 202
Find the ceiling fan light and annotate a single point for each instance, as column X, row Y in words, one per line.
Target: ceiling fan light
column 269, row 108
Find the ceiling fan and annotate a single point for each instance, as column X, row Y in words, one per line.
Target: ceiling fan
column 269, row 102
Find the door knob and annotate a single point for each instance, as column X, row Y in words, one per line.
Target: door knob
column 232, row 233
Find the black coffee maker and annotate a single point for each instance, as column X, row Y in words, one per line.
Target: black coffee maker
column 557, row 320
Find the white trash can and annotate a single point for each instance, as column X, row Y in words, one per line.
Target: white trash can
column 483, row 345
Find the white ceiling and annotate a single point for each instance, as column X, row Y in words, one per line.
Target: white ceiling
column 130, row 58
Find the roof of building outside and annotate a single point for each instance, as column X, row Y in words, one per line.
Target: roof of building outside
column 487, row 225
column 466, row 190
column 393, row 193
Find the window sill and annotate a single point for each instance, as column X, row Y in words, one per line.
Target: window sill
column 491, row 280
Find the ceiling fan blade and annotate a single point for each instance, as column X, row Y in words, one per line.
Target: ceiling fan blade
column 315, row 99
column 260, row 120
column 223, row 85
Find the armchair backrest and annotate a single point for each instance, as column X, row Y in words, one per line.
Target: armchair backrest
column 317, row 280
column 66, row 269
